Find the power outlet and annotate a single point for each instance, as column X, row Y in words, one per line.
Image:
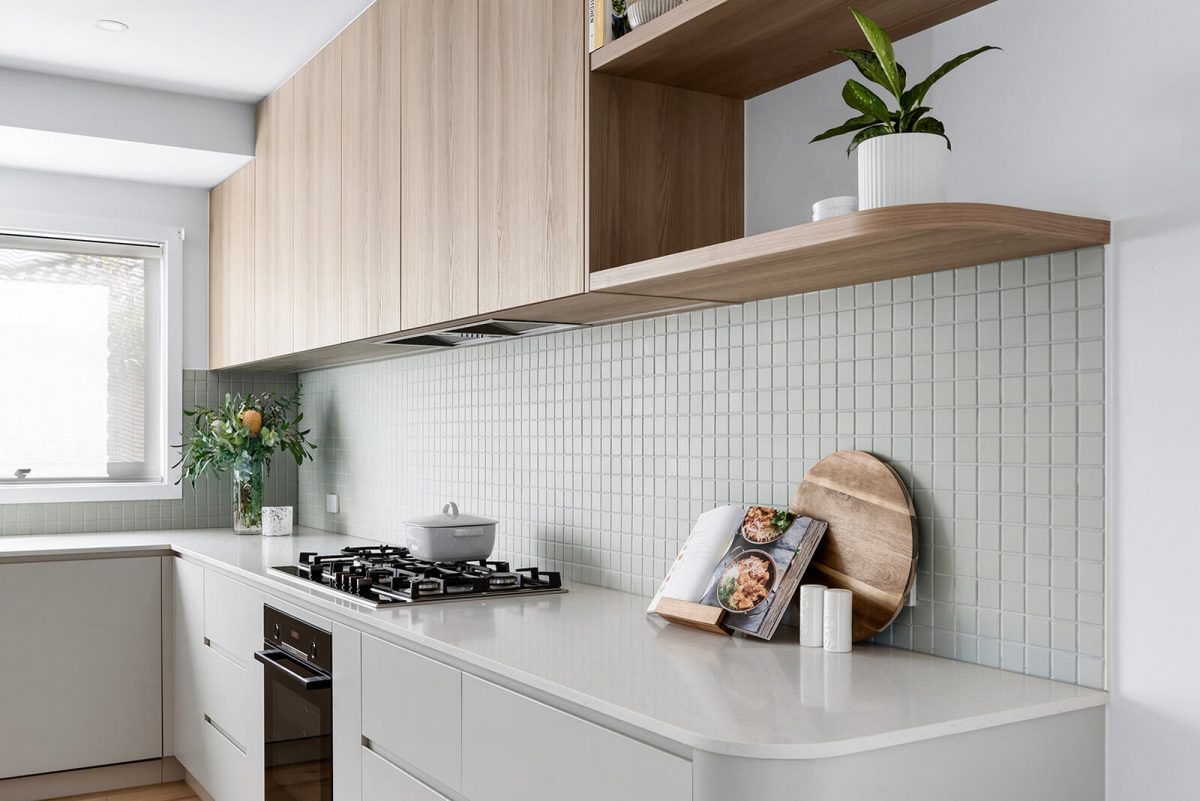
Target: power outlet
column 333, row 504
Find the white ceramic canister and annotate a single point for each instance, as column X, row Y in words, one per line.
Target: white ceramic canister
column 899, row 169
column 812, row 615
column 839, row 620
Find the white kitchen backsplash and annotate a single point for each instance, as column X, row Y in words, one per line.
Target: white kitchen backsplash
column 209, row 505
column 597, row 448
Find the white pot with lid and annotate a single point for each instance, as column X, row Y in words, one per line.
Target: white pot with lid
column 450, row 536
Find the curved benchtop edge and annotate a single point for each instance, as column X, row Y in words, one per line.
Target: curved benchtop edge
column 161, row 544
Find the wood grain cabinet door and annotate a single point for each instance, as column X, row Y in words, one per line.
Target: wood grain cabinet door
column 531, row 151
column 391, row 93
column 273, row 260
column 362, row 271
column 438, row 122
column 231, row 270
column 317, row 194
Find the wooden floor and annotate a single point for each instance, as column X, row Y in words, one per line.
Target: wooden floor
column 175, row 791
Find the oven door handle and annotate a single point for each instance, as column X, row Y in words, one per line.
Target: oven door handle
column 274, row 658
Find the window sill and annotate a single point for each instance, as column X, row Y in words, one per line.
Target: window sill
column 33, row 492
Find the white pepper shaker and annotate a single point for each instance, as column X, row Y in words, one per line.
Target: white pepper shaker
column 812, row 615
column 839, row 620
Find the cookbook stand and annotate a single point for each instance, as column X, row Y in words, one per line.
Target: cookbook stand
column 698, row 616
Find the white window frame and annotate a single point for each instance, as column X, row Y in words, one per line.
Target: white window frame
column 170, row 365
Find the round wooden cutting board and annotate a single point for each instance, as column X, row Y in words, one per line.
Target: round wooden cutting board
column 870, row 547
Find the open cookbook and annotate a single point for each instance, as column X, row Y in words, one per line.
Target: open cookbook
column 746, row 561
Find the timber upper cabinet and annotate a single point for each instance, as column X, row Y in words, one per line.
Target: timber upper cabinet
column 431, row 102
column 531, row 152
column 368, row 304
column 488, row 100
column 450, row 160
column 426, row 166
column 231, row 274
column 317, row 196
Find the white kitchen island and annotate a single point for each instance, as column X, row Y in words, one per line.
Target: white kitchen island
column 583, row 696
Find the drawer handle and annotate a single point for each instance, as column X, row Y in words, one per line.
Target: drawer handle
column 278, row 660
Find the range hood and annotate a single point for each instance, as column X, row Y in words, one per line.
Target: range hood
column 478, row 333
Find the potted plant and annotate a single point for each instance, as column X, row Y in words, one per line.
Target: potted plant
column 242, row 436
column 902, row 153
column 620, row 22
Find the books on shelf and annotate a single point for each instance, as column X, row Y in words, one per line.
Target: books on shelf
column 597, row 16
column 746, row 562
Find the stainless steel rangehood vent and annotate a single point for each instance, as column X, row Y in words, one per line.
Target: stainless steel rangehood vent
column 479, row 333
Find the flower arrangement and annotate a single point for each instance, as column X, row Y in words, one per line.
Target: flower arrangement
column 242, row 435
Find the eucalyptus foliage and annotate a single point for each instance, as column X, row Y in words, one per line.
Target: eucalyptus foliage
column 244, row 430
column 879, row 66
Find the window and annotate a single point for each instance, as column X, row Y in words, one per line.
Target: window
column 89, row 355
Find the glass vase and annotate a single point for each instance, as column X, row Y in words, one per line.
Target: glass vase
column 247, row 496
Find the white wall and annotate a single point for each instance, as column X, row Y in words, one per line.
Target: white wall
column 74, row 196
column 1090, row 109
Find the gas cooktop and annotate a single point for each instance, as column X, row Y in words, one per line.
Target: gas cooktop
column 387, row 575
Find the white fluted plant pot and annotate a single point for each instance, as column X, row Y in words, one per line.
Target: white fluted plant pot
column 897, row 169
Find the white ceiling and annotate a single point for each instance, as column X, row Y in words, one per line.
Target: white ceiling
column 233, row 49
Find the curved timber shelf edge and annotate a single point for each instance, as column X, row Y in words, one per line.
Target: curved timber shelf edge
column 726, row 47
column 862, row 247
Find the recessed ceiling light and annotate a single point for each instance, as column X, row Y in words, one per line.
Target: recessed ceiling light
column 114, row 25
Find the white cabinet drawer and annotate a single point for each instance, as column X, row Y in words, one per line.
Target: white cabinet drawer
column 233, row 618
column 512, row 743
column 224, row 694
column 381, row 779
column 415, row 710
column 230, row 774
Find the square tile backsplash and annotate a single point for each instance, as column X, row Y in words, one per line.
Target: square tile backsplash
column 597, row 448
column 209, row 505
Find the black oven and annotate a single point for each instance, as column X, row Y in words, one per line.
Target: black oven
column 298, row 690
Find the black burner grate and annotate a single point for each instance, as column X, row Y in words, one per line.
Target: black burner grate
column 388, row 574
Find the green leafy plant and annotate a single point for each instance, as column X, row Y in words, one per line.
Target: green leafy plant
column 726, row 587
column 245, row 430
column 782, row 520
column 879, row 66
column 620, row 22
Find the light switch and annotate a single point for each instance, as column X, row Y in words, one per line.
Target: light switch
column 332, row 504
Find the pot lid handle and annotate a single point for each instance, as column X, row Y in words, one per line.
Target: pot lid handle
column 450, row 509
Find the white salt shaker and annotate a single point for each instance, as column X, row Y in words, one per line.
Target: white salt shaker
column 838, row 620
column 812, row 605
column 276, row 521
